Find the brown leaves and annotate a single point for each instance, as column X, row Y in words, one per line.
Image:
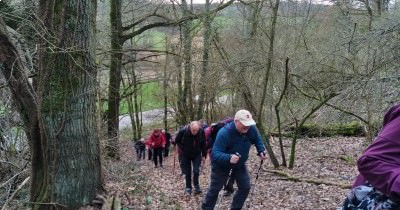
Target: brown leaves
column 319, row 164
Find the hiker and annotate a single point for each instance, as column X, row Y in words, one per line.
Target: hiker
column 157, row 142
column 140, row 148
column 191, row 141
column 378, row 184
column 211, row 134
column 168, row 137
column 229, row 154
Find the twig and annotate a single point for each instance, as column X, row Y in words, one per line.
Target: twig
column 6, row 183
column 15, row 192
column 13, row 164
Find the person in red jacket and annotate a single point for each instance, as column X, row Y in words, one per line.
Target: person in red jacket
column 157, row 142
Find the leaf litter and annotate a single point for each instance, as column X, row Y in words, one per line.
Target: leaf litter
column 320, row 164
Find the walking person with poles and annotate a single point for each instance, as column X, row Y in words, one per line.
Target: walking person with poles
column 231, row 151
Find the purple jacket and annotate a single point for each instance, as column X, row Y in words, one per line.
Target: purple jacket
column 380, row 163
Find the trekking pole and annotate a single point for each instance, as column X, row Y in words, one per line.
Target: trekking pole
column 220, row 196
column 254, row 185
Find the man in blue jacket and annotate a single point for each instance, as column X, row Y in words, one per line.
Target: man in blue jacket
column 231, row 151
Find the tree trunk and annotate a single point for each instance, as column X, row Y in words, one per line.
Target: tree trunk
column 298, row 126
column 114, row 80
column 206, row 50
column 278, row 119
column 187, row 96
column 165, row 86
column 59, row 119
column 67, row 84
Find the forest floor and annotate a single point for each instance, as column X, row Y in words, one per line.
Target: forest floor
column 323, row 169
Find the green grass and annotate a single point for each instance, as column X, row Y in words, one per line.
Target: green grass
column 223, row 21
column 158, row 40
column 152, row 39
column 151, row 98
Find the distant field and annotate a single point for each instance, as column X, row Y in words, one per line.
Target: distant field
column 151, row 98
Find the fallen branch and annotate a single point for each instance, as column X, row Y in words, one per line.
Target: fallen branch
column 307, row 180
column 15, row 192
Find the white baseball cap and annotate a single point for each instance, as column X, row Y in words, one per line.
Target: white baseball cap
column 244, row 117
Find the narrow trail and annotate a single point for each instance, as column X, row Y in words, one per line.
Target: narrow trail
column 171, row 183
column 142, row 186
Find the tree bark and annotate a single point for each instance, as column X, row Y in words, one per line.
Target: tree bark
column 206, row 50
column 187, row 96
column 59, row 117
column 115, row 77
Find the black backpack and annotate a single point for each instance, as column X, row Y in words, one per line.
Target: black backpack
column 214, row 131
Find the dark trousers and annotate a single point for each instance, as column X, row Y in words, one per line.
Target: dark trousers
column 166, row 151
column 218, row 179
column 157, row 154
column 187, row 164
column 150, row 154
column 141, row 154
column 229, row 184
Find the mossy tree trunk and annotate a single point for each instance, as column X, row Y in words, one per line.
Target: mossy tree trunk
column 206, row 51
column 59, row 116
column 67, row 88
column 187, row 96
column 115, row 77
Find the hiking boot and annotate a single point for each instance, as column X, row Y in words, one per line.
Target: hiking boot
column 197, row 190
column 188, row 190
column 155, row 166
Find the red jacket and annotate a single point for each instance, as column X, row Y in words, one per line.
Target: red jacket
column 157, row 141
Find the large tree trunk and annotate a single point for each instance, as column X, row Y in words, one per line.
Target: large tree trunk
column 67, row 87
column 115, row 79
column 59, row 119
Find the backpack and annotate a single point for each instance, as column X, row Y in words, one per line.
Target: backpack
column 215, row 127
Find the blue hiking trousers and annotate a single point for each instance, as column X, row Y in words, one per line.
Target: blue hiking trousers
column 218, row 179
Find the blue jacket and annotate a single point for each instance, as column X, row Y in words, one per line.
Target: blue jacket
column 229, row 141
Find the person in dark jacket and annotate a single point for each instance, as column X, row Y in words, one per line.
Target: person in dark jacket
column 168, row 137
column 230, row 153
column 157, row 142
column 140, row 148
column 378, row 184
column 191, row 141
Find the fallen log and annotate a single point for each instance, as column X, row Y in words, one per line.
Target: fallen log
column 307, row 180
